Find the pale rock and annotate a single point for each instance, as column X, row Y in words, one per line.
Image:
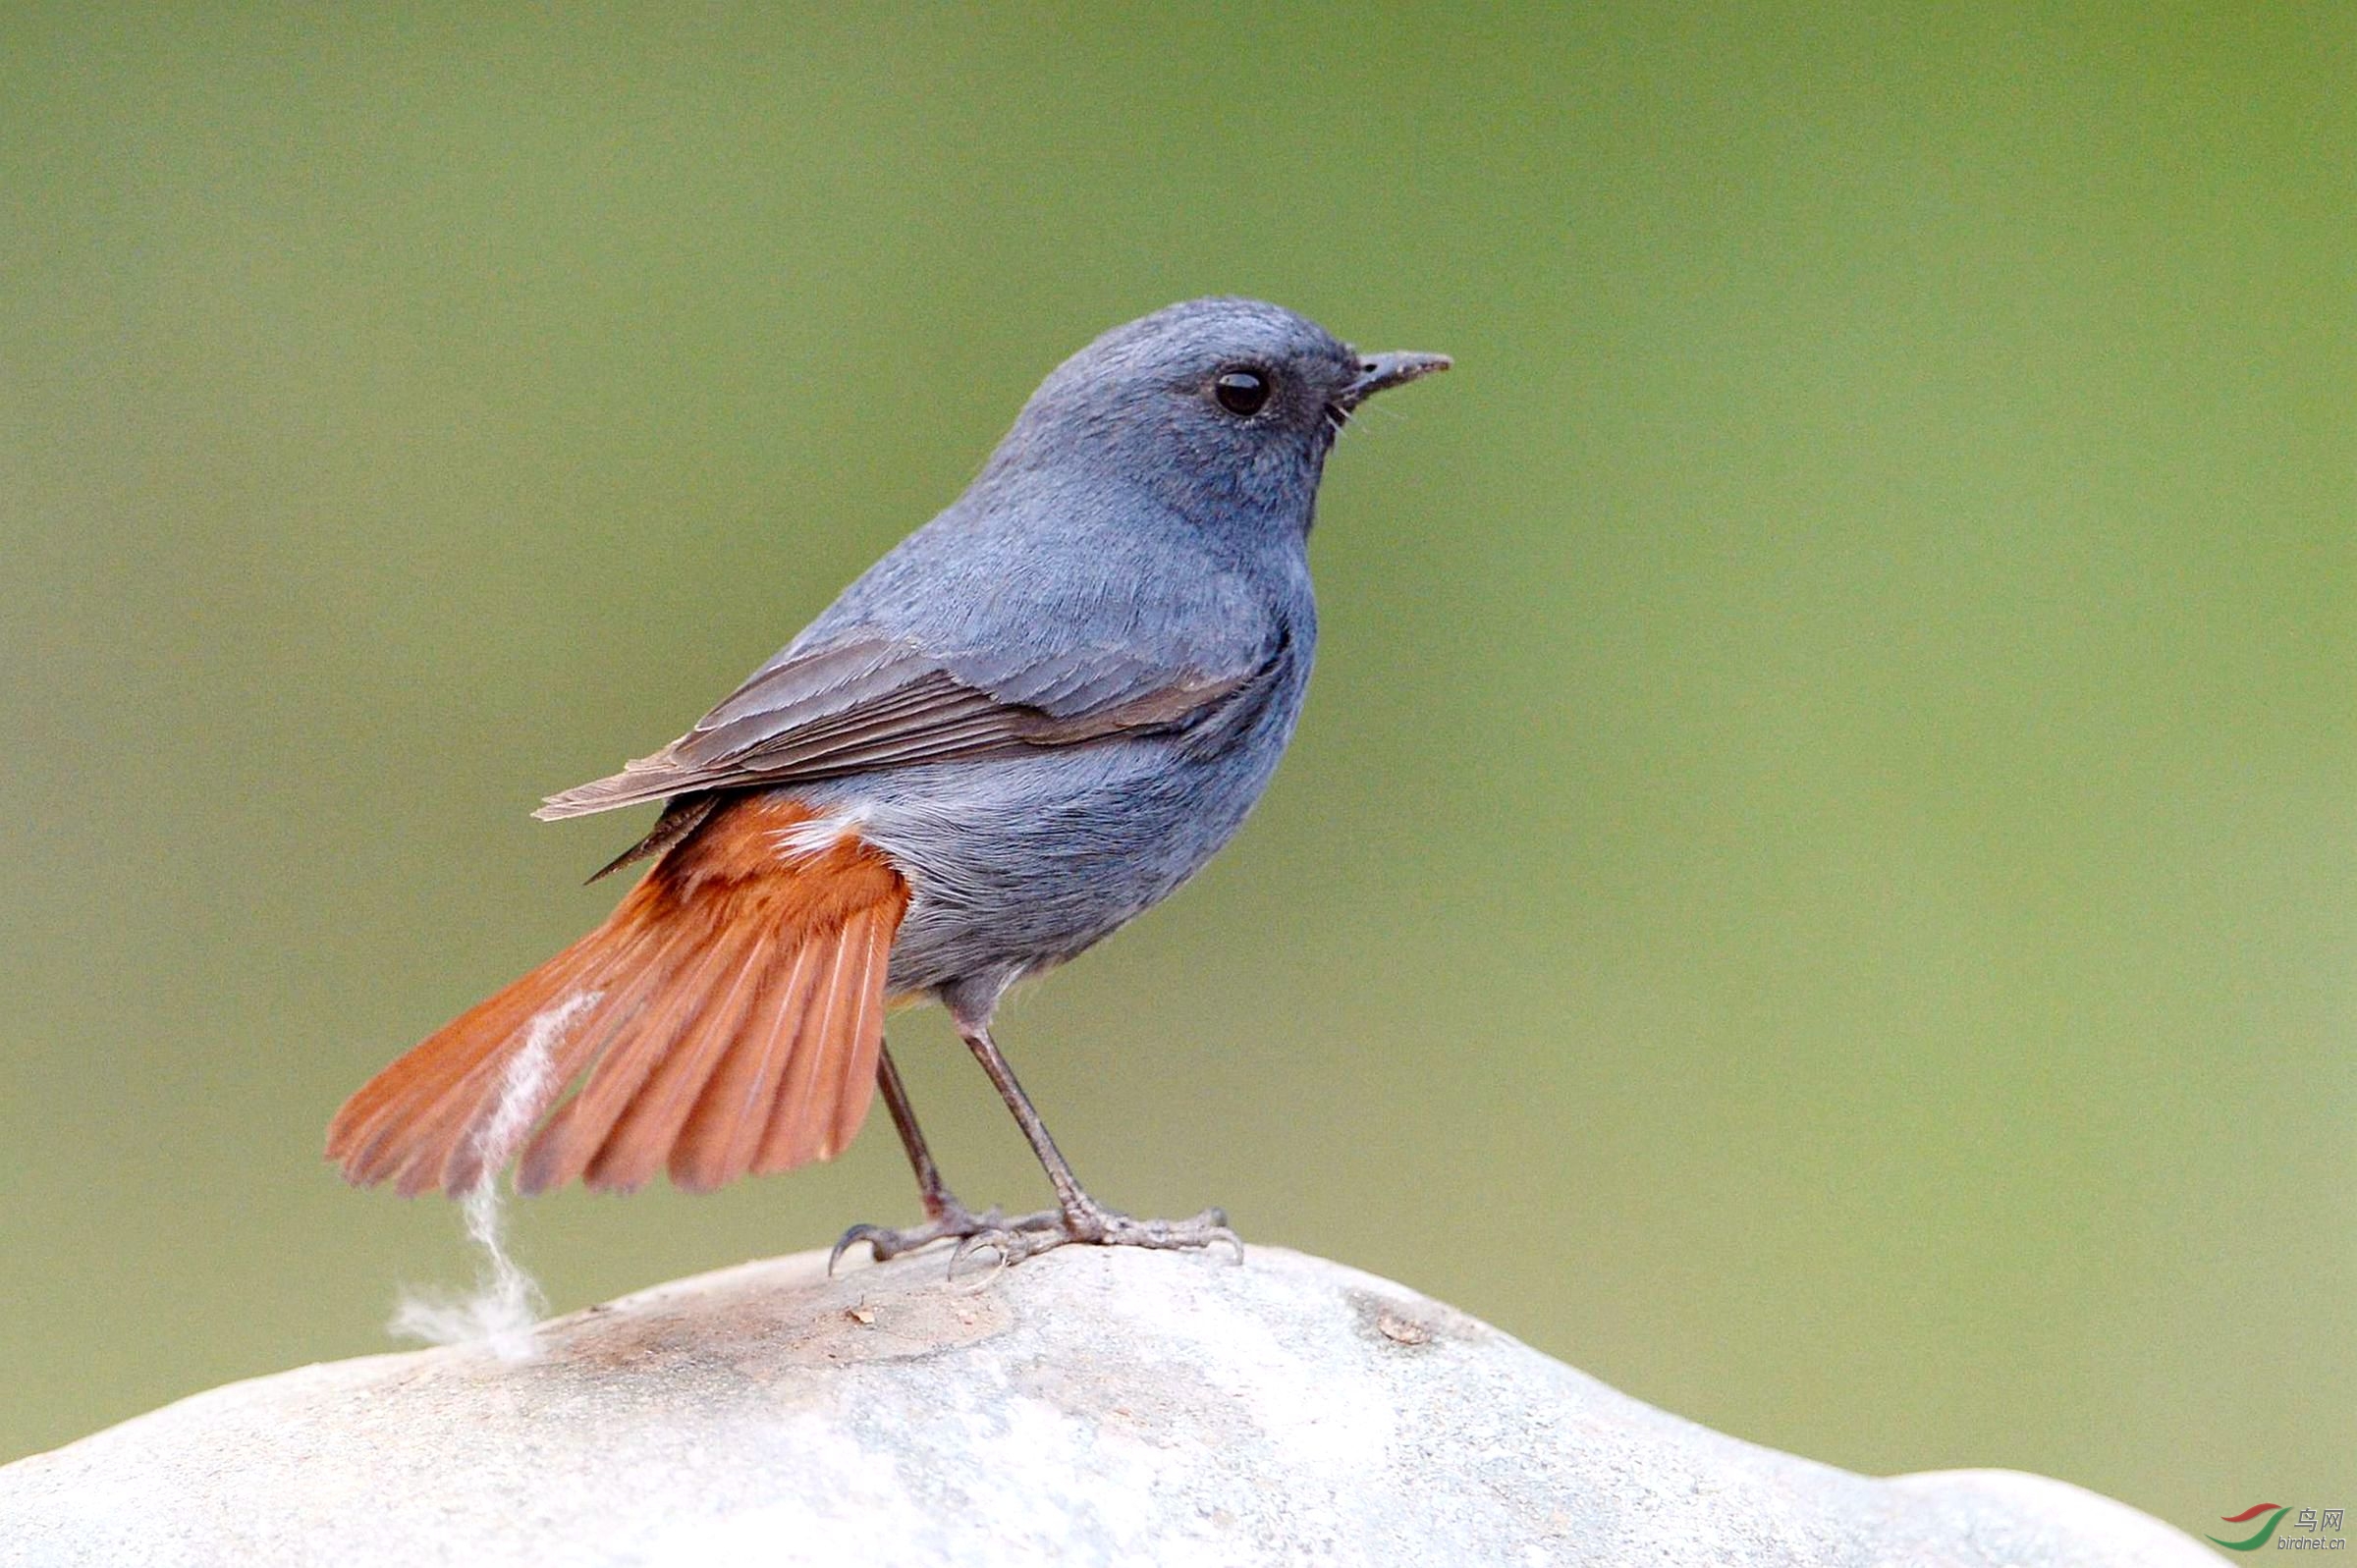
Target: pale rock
column 1090, row 1406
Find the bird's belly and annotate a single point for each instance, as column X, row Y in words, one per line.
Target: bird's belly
column 1021, row 862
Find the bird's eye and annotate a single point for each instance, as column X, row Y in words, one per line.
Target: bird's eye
column 1242, row 391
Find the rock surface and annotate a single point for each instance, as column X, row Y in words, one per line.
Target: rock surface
column 1088, row 1407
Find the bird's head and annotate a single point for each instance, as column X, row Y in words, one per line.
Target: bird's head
column 1218, row 405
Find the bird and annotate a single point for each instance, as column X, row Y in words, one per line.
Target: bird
column 1025, row 724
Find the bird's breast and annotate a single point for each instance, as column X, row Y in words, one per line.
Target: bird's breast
column 1020, row 861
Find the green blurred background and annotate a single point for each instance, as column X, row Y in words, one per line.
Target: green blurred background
column 1817, row 880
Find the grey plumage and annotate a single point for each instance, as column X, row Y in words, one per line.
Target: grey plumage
column 1023, row 727
column 1016, row 732
column 1053, row 703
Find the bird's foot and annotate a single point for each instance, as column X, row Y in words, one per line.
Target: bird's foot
column 1088, row 1224
column 1008, row 1241
column 954, row 1221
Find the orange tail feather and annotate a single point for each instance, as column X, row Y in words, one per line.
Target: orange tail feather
column 728, row 1015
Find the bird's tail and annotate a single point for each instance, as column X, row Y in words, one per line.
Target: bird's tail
column 726, row 1018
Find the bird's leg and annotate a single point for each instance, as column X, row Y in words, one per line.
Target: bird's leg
column 1079, row 1217
column 945, row 1216
column 931, row 1190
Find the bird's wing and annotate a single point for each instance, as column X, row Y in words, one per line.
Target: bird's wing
column 859, row 700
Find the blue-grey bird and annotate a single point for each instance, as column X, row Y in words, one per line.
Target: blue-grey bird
column 1028, row 723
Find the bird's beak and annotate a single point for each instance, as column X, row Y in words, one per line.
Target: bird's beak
column 1378, row 371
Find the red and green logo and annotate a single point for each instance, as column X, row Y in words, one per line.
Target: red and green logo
column 2275, row 1516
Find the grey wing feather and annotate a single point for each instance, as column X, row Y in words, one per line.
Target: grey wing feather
column 861, row 701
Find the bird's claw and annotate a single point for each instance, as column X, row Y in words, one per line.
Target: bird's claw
column 1000, row 1243
column 1091, row 1225
column 955, row 1223
column 1028, row 1236
column 876, row 1237
column 1207, row 1230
